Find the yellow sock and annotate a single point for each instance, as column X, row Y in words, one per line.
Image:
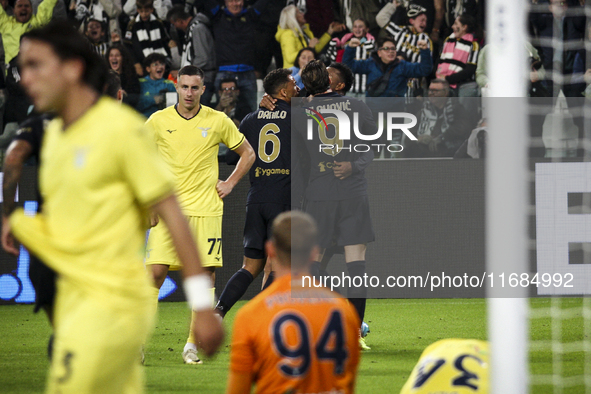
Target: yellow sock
column 191, row 338
column 154, row 302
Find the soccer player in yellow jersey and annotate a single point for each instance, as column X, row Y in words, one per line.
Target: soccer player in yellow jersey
column 99, row 176
column 187, row 136
column 303, row 340
column 451, row 366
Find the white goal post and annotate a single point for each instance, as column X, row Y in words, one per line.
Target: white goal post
column 506, row 192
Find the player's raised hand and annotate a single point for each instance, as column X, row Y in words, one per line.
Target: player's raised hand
column 268, row 102
column 422, row 44
column 208, row 331
column 342, row 169
column 355, row 42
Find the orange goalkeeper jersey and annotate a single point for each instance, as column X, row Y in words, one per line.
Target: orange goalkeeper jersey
column 303, row 342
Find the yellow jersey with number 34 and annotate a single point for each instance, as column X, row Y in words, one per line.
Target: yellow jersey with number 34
column 451, row 366
column 190, row 148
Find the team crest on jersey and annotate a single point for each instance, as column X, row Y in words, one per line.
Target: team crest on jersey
column 204, row 131
column 80, row 157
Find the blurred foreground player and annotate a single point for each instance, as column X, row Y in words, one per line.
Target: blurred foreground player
column 27, row 144
column 303, row 340
column 92, row 229
column 188, row 135
column 459, row 366
column 269, row 133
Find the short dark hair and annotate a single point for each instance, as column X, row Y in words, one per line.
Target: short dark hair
column 68, row 43
column 177, row 13
column 315, row 77
column 154, row 57
column 383, row 40
column 294, row 234
column 276, row 80
column 345, row 73
column 445, row 84
column 113, row 84
column 190, row 70
column 144, row 3
column 227, row 80
column 473, row 27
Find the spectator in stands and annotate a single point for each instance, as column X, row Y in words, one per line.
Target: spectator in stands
column 198, row 49
column 233, row 29
column 305, row 56
column 153, row 86
column 363, row 51
column 294, row 34
column 228, row 98
column 475, row 146
column 395, row 14
column 386, row 74
column 443, row 124
column 146, row 34
column 265, row 46
column 120, row 61
column 347, row 11
column 457, row 64
column 23, row 20
column 7, row 7
column 537, row 72
column 95, row 33
column 455, row 8
column 106, row 11
column 557, row 25
column 407, row 37
column 161, row 8
column 18, row 103
column 582, row 69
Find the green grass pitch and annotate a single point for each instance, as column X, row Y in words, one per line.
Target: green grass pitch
column 400, row 330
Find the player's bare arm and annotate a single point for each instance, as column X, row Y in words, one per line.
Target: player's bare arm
column 247, row 157
column 207, row 328
column 16, row 155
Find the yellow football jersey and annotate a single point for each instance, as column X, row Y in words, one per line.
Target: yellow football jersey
column 97, row 178
column 190, row 148
column 451, row 366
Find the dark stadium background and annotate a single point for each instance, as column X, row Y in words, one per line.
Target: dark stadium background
column 428, row 215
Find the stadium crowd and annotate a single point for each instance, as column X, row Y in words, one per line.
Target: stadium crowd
column 239, row 41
